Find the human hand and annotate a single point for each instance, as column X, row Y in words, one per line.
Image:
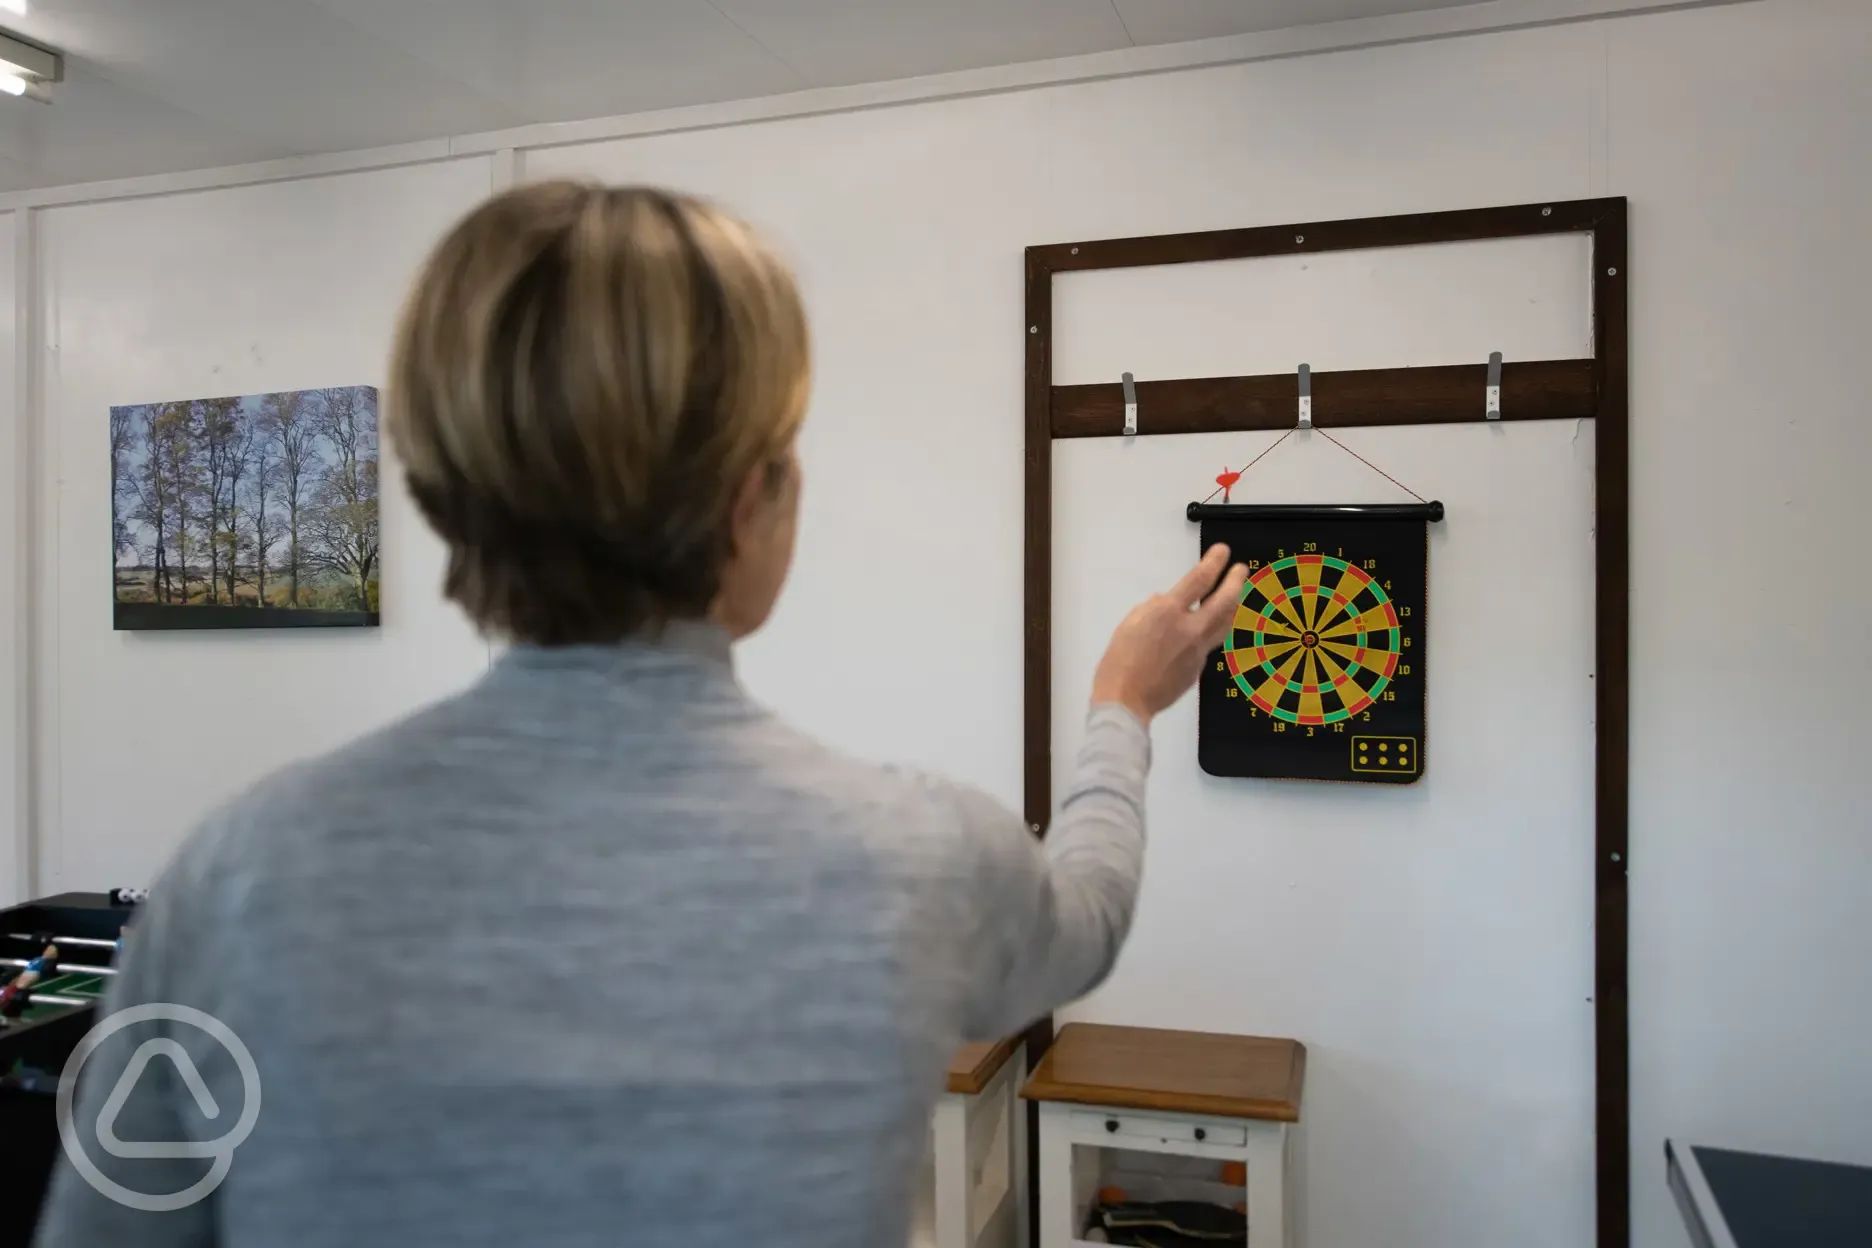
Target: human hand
column 1159, row 649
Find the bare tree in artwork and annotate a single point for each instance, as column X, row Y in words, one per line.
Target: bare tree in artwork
column 231, row 442
column 217, row 428
column 122, row 436
column 160, row 489
column 290, row 425
column 344, row 520
column 262, row 477
column 180, row 461
column 155, row 503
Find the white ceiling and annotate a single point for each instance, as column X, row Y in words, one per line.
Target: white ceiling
column 187, row 84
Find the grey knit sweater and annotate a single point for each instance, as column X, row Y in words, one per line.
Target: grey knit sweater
column 598, row 952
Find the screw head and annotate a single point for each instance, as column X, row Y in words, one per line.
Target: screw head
column 1299, row 238
column 1546, row 212
column 1611, row 272
column 1033, row 329
column 1075, row 251
column 1615, row 857
column 1033, row 827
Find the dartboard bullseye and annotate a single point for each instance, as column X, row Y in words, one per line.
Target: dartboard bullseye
column 1321, row 676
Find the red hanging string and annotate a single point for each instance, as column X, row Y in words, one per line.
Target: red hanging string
column 1374, row 467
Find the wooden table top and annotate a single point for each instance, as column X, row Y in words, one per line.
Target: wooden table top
column 1185, row 1072
column 975, row 1064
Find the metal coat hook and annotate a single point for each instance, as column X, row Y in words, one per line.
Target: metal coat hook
column 1492, row 405
column 1130, row 396
column 1306, row 397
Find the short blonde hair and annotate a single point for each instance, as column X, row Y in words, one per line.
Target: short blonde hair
column 582, row 379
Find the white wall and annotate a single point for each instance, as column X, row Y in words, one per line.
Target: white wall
column 1737, row 133
column 1742, row 135
column 276, row 287
column 15, row 554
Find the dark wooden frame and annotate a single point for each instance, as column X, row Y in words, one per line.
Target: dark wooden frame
column 1531, row 390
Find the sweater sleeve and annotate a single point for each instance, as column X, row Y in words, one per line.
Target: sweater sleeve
column 1054, row 913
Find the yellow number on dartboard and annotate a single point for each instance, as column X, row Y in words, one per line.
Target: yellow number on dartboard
column 1368, row 717
column 1309, row 730
column 1234, row 692
column 1406, row 646
column 1253, row 564
column 1370, row 564
column 1338, row 727
column 1280, row 725
column 1221, row 666
column 1405, row 612
column 1404, row 669
column 1390, row 696
column 1309, row 548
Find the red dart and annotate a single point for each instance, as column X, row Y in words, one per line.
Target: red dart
column 1227, row 481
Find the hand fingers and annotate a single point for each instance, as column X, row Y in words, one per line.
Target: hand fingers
column 1200, row 579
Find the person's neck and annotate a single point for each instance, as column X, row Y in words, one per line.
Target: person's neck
column 701, row 635
column 697, row 638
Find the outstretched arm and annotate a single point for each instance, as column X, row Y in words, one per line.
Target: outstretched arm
column 1057, row 912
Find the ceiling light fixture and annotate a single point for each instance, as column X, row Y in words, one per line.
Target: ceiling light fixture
column 24, row 66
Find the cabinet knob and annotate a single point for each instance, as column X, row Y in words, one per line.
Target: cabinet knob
column 1111, row 1125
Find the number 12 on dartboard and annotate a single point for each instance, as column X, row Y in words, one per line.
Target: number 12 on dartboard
column 1323, row 674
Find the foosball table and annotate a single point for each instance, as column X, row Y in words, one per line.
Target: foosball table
column 55, row 961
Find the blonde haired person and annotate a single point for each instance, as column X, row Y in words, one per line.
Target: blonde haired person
column 600, row 951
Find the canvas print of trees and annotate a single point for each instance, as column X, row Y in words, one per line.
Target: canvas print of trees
column 251, row 512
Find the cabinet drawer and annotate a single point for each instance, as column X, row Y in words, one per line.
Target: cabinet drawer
column 1122, row 1124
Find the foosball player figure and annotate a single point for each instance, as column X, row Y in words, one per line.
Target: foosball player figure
column 16, row 996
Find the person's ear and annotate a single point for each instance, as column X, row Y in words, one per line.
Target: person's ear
column 747, row 518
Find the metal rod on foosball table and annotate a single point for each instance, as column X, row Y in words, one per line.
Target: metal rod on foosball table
column 45, row 998
column 77, row 942
column 65, row 968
